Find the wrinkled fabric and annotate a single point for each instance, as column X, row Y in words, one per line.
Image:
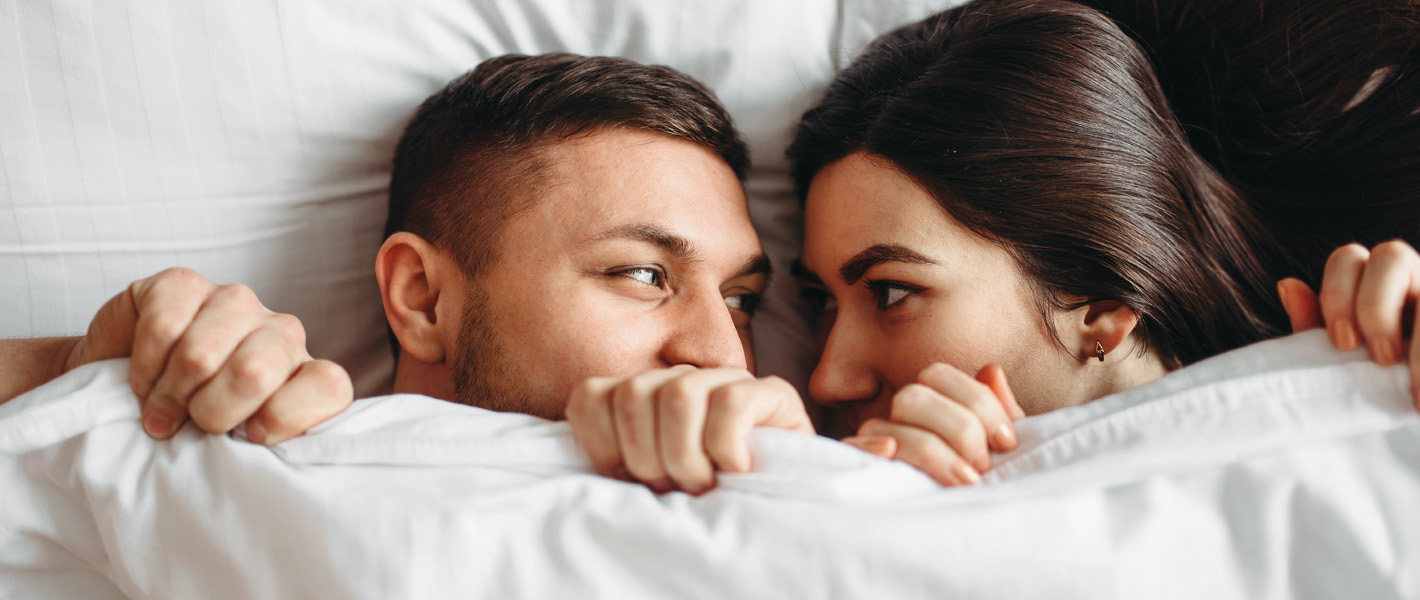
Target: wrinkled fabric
column 1280, row 470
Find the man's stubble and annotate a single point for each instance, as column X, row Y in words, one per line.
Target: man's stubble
column 484, row 374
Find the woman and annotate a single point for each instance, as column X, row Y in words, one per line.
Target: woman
column 1006, row 183
column 1003, row 189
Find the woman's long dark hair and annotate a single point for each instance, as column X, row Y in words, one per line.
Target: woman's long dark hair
column 1041, row 125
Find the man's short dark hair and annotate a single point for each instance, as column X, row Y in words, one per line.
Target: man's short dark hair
column 473, row 150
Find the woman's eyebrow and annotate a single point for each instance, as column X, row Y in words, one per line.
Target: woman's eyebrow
column 872, row 256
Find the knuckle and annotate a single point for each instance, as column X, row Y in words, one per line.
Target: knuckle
column 911, row 398
column 163, row 329
column 1352, row 252
column 237, row 294
column 1392, row 250
column 198, row 361
column 935, row 370
column 972, row 440
column 333, row 377
column 582, row 394
column 775, row 383
column 179, row 277
column 678, row 390
column 289, row 326
column 1336, row 299
column 252, row 375
column 732, row 397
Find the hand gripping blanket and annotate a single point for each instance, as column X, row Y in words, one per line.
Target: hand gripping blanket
column 1281, row 470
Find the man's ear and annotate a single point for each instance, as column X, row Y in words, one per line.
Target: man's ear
column 1105, row 322
column 414, row 277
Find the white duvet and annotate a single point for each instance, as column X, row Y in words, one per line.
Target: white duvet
column 1280, row 470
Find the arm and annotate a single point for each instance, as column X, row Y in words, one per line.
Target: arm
column 29, row 363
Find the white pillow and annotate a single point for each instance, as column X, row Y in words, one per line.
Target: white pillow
column 251, row 141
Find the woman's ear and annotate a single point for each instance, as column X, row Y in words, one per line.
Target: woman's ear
column 1102, row 325
column 414, row 277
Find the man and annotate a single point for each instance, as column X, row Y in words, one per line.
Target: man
column 554, row 220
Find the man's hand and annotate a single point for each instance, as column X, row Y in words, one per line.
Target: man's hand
column 672, row 429
column 1367, row 297
column 946, row 424
column 216, row 355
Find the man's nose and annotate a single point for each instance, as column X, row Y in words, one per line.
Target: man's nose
column 843, row 373
column 705, row 336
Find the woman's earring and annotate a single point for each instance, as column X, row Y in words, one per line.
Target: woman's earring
column 1099, row 350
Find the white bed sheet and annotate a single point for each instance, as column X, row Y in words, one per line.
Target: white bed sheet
column 1281, row 470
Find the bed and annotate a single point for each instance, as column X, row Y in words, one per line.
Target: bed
column 251, row 142
column 1281, row 470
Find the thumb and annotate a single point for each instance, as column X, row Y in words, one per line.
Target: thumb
column 110, row 334
column 1301, row 304
column 995, row 378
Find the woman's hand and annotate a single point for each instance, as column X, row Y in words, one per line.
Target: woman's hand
column 216, row 355
column 946, row 424
column 672, row 429
column 1367, row 297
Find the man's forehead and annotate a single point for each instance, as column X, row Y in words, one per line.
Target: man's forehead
column 630, row 158
column 615, row 181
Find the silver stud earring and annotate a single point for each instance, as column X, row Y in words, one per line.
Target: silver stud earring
column 1099, row 350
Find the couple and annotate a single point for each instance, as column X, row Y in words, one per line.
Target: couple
column 999, row 192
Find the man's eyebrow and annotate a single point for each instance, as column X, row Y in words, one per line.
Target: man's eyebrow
column 872, row 256
column 677, row 246
column 801, row 272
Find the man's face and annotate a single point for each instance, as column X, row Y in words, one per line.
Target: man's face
column 638, row 254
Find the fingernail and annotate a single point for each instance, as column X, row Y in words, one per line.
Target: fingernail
column 257, row 433
column 965, row 473
column 157, row 425
column 1005, row 438
column 880, row 446
column 1345, row 335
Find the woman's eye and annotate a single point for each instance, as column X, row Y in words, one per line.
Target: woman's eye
column 646, row 275
column 745, row 303
column 887, row 294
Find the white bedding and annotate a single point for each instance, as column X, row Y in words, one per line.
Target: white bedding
column 1277, row 471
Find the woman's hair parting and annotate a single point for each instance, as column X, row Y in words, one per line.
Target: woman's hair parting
column 1042, row 125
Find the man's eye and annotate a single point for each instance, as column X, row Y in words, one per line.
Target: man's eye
column 820, row 301
column 646, row 275
column 888, row 293
column 745, row 303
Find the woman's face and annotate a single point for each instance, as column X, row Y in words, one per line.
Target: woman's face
column 903, row 285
